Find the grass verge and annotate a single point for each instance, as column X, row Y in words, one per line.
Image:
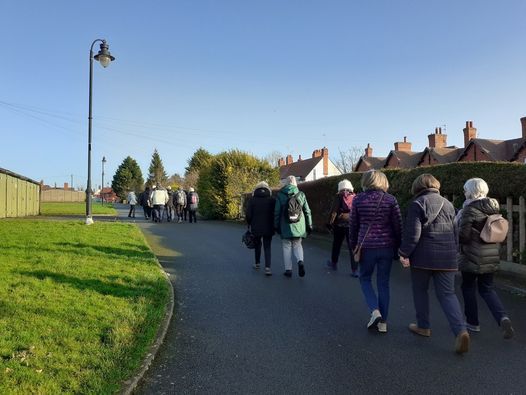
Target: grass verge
column 79, row 305
column 75, row 208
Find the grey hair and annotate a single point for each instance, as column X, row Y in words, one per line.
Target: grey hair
column 475, row 188
column 291, row 180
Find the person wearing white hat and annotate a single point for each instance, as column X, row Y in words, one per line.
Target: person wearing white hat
column 192, row 204
column 339, row 224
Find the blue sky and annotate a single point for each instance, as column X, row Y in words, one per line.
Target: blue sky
column 261, row 76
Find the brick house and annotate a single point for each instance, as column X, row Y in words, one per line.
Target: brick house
column 438, row 152
column 314, row 168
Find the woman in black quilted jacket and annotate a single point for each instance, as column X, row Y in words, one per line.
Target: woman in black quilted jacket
column 478, row 260
column 260, row 217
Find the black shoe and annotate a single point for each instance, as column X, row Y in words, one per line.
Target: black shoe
column 288, row 273
column 301, row 269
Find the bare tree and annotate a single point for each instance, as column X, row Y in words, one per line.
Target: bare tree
column 272, row 158
column 348, row 159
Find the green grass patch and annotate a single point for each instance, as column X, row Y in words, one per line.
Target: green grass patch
column 76, row 208
column 79, row 305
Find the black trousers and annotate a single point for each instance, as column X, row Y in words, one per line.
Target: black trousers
column 341, row 233
column 132, row 210
column 192, row 214
column 267, row 241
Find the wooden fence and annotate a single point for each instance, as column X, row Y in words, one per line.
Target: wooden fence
column 62, row 195
column 19, row 195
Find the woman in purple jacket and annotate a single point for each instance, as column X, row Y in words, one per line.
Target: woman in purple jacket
column 376, row 228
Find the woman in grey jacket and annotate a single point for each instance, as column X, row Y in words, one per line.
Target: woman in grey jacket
column 478, row 260
column 429, row 247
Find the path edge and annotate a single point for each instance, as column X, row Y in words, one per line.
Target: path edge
column 130, row 384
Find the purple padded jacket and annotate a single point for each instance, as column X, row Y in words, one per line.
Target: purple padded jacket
column 386, row 222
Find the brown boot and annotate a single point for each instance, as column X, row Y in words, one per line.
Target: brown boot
column 419, row 331
column 462, row 342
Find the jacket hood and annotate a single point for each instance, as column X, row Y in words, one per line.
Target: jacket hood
column 261, row 192
column 289, row 189
column 488, row 206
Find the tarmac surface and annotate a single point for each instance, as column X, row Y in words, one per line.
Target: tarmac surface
column 236, row 331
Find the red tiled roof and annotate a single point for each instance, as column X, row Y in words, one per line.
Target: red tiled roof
column 406, row 160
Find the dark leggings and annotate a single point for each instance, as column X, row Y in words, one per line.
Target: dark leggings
column 341, row 233
column 486, row 290
column 267, row 240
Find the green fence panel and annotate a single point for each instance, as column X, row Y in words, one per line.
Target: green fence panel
column 3, row 195
column 22, row 199
column 12, row 191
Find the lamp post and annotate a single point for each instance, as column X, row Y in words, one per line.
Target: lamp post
column 102, row 188
column 104, row 57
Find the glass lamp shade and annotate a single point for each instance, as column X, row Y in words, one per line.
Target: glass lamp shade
column 104, row 60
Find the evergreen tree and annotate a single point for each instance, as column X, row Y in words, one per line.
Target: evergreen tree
column 128, row 177
column 156, row 172
column 199, row 159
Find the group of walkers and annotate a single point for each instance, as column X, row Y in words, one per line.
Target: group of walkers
column 435, row 242
column 160, row 203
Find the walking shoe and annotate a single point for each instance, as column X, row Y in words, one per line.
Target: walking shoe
column 288, row 273
column 354, row 274
column 426, row 332
column 507, row 329
column 331, row 265
column 301, row 269
column 462, row 342
column 473, row 328
column 256, row 266
column 268, row 272
column 382, row 327
column 375, row 318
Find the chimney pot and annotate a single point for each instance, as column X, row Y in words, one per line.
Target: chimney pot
column 523, row 123
column 470, row 133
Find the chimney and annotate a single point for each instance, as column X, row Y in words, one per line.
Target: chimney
column 437, row 140
column 299, row 158
column 316, row 153
column 325, row 155
column 281, row 162
column 289, row 159
column 66, row 186
column 404, row 146
column 470, row 133
column 368, row 151
column 523, row 123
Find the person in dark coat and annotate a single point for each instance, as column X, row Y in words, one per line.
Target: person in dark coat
column 339, row 224
column 170, row 207
column 260, row 218
column 478, row 260
column 429, row 247
column 192, row 204
column 376, row 228
column 144, row 202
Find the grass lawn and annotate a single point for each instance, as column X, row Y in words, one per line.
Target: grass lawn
column 79, row 305
column 76, row 208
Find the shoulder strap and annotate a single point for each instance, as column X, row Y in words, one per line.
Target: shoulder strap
column 430, row 221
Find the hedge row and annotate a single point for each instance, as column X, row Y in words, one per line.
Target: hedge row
column 504, row 179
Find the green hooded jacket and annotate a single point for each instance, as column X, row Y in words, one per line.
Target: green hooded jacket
column 294, row 230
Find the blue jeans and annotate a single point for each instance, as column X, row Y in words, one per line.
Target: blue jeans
column 486, row 291
column 382, row 260
column 444, row 282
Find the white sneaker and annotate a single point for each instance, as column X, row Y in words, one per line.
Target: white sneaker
column 375, row 319
column 382, row 327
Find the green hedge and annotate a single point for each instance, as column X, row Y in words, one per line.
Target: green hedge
column 504, row 179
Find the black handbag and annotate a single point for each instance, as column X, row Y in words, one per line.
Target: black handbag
column 249, row 239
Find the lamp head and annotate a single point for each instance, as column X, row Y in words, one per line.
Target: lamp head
column 104, row 55
column 103, row 159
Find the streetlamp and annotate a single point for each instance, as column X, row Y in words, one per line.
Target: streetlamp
column 104, row 57
column 102, row 188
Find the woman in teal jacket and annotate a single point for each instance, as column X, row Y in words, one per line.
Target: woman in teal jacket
column 292, row 232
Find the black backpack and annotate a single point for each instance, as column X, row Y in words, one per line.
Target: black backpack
column 293, row 209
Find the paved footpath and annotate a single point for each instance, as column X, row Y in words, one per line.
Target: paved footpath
column 235, row 331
